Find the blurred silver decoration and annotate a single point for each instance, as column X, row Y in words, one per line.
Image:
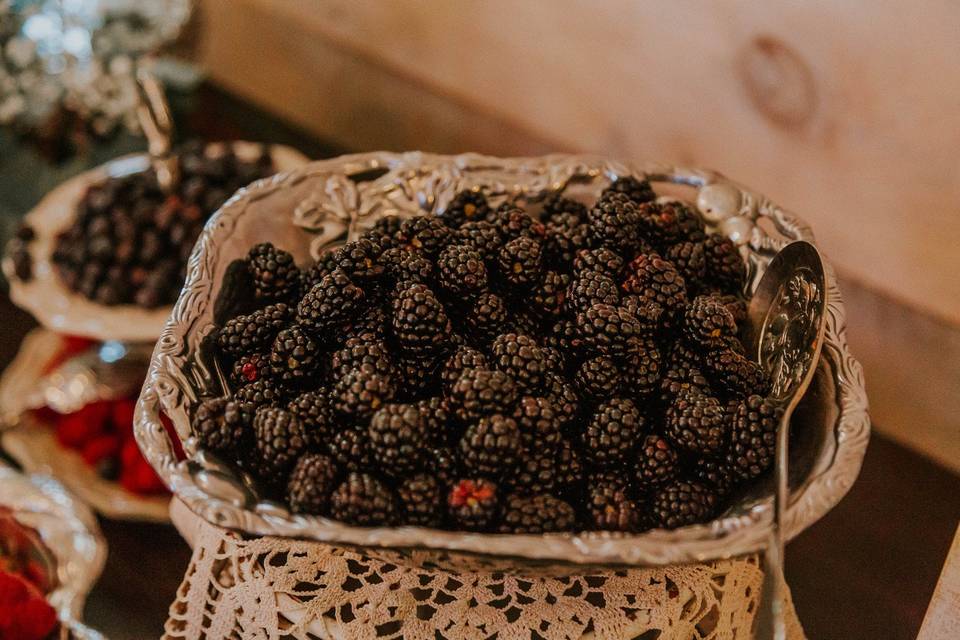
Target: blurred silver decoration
column 295, row 210
column 79, row 55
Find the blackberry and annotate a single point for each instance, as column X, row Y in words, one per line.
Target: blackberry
column 405, row 267
column 420, row 323
column 461, row 359
column 311, row 483
column 486, row 318
column 690, row 260
column 735, row 373
column 696, row 423
column 275, row 275
column 681, row 377
column 419, row 377
column 261, row 393
column 682, row 503
column 613, row 432
column 565, row 234
column 648, row 312
column 638, row 190
column 492, row 446
column 656, row 462
column 601, row 259
column 365, row 501
column 364, row 352
column 707, row 323
column 462, row 272
column 614, row 224
column 641, row 368
column 609, row 330
column 473, row 504
column 717, row 474
column 660, row 223
column 735, row 304
column 569, row 469
column 653, row 279
column 421, row 501
column 221, row 426
column 312, row 275
column 690, row 224
column 537, row 472
column 246, row 334
column 360, row 260
column 565, row 338
column 550, row 294
column 754, row 437
column 520, row 358
column 399, row 435
column 725, row 267
column 434, row 413
column 611, row 506
column 539, row 423
column 426, row 234
column 598, row 378
column 350, row 447
column 556, row 205
column 554, row 360
column 483, row 236
column 384, row 229
column 562, row 397
column 294, row 357
column 330, row 305
column 541, row 513
column 443, row 462
column 514, row 222
column 315, row 411
column 466, row 206
column 250, row 368
column 361, row 393
column 592, row 287
column 478, row 392
column 280, row 439
column 521, row 262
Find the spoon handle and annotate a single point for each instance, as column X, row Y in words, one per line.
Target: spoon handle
column 771, row 623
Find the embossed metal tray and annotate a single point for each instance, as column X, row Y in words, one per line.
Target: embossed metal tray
column 49, row 300
column 315, row 206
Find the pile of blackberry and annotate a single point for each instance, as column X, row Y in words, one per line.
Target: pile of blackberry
column 130, row 241
column 558, row 367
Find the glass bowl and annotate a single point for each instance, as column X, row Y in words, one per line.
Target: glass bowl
column 309, row 209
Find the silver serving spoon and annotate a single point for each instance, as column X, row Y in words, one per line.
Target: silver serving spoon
column 786, row 324
column 153, row 113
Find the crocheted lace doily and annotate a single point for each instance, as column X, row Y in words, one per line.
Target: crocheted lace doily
column 273, row 589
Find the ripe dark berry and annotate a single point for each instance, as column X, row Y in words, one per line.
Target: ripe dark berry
column 682, row 503
column 550, row 294
column 365, row 501
column 330, row 305
column 735, row 373
column 565, row 235
column 556, row 205
column 609, row 330
column 260, row 393
column 590, row 288
column 479, row 392
column 690, row 260
column 405, row 267
column 598, row 378
column 462, row 359
column 484, row 237
column 473, row 504
column 514, row 222
column 601, row 259
column 250, row 368
column 707, row 323
column 360, row 260
column 425, row 234
column 725, row 267
column 315, row 411
column 611, row 506
column 420, row 323
column 486, row 318
column 638, row 190
column 294, row 358
column 641, row 368
column 466, row 206
column 539, row 423
column 421, row 501
column 754, row 437
column 653, row 279
column 311, row 483
column 280, row 440
column 275, row 275
column 718, row 474
column 246, row 334
column 657, row 462
column 696, row 423
column 360, row 393
column 521, row 262
column 221, row 426
column 492, row 446
column 363, row 353
column 520, row 358
column 541, row 513
column 614, row 224
column 399, row 437
column 613, row 432
column 462, row 272
column 350, row 447
column 660, row 223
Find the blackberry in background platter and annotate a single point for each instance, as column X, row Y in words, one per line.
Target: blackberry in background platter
column 130, row 241
column 487, row 370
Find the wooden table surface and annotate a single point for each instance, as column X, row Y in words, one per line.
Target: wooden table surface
column 866, row 571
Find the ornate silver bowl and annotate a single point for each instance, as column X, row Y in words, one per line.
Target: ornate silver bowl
column 314, row 207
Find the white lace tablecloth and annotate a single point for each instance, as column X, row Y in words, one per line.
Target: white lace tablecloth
column 273, row 588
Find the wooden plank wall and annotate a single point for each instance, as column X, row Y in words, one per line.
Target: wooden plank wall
column 846, row 113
